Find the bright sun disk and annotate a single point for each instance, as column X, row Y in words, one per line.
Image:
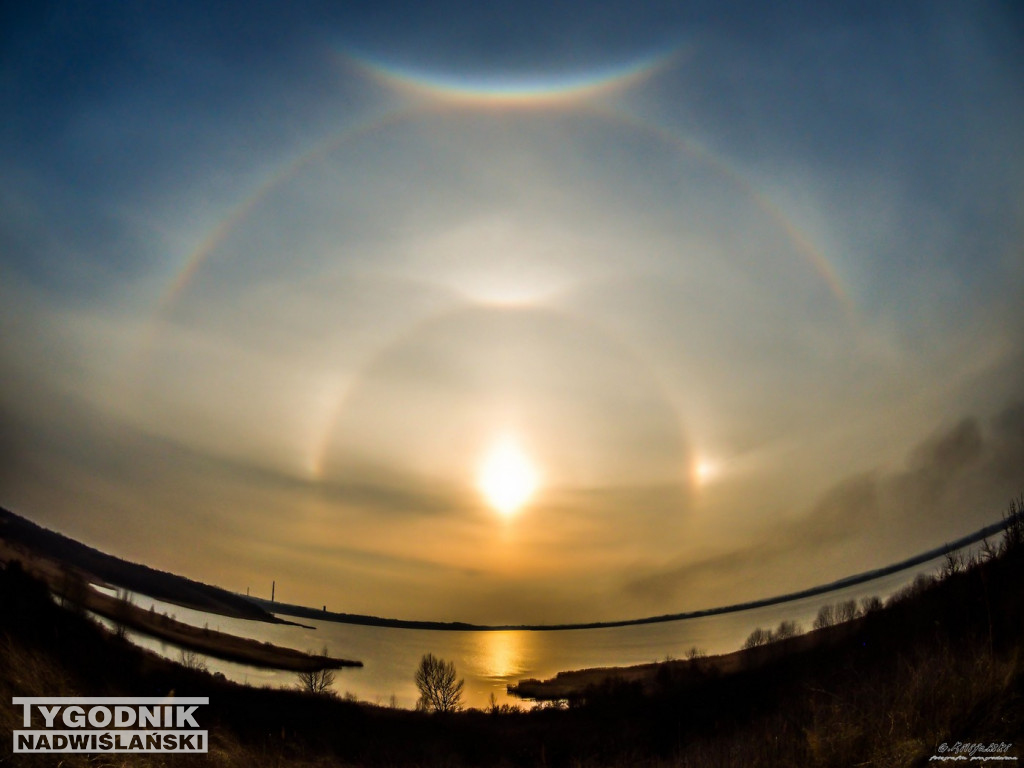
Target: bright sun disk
column 507, row 478
column 704, row 471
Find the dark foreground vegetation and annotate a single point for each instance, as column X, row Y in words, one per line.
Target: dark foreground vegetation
column 943, row 664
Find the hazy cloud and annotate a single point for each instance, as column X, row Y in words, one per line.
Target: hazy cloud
column 937, row 490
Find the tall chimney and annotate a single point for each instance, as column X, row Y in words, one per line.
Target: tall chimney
column 273, row 587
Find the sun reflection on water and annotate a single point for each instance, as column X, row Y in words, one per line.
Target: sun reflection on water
column 501, row 655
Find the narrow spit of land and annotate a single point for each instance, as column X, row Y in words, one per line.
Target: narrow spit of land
column 71, row 585
column 212, row 642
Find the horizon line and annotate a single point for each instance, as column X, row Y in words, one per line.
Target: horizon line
column 459, row 626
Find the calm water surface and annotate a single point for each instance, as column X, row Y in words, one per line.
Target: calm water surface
column 489, row 661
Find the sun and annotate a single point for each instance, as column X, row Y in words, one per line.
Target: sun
column 506, row 477
column 705, row 471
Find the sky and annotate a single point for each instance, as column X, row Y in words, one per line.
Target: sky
column 512, row 312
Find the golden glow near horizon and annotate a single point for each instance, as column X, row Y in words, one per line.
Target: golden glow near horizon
column 507, row 477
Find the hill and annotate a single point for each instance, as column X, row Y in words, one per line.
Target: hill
column 54, row 552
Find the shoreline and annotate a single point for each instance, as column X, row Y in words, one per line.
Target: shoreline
column 71, row 586
column 573, row 684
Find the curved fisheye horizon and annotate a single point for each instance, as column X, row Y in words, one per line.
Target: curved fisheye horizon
column 956, row 548
column 513, row 315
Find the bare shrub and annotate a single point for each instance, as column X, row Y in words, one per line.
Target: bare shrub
column 953, row 563
column 1013, row 533
column 987, row 552
column 192, row 660
column 316, row 681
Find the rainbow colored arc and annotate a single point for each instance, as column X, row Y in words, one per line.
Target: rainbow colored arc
column 572, row 90
column 506, row 90
column 520, row 93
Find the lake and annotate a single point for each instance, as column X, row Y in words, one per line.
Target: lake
column 490, row 660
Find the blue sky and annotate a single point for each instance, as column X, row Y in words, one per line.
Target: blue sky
column 740, row 284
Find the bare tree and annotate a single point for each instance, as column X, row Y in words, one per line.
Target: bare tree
column 758, row 637
column 318, row 681
column 826, row 617
column 786, row 630
column 439, row 690
column 846, row 611
column 870, row 605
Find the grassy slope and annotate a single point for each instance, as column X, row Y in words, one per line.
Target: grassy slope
column 943, row 665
